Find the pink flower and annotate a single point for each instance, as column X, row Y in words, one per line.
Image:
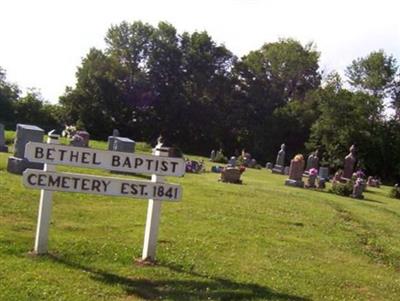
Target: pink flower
column 313, row 171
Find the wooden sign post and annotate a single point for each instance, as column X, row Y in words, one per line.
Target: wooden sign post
column 153, row 216
column 48, row 180
column 44, row 214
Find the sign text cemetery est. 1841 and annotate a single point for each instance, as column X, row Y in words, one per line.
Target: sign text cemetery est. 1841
column 71, row 182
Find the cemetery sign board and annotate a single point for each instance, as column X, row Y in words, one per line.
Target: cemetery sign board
column 70, row 182
column 109, row 160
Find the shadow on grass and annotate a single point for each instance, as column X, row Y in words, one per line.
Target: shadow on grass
column 202, row 288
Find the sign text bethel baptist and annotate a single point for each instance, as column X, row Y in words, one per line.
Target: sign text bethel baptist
column 110, row 160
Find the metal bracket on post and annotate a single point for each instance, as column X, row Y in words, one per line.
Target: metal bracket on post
column 44, row 214
column 153, row 215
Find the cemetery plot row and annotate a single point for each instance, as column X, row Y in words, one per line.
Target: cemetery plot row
column 109, row 160
column 70, row 182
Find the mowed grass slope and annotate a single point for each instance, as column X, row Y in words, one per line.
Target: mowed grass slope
column 256, row 241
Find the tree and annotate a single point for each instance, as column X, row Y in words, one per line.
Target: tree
column 345, row 118
column 270, row 78
column 374, row 74
column 95, row 103
column 32, row 109
column 9, row 94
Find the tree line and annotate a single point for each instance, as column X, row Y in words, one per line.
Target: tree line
column 151, row 80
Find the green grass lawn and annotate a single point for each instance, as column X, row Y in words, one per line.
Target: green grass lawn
column 257, row 241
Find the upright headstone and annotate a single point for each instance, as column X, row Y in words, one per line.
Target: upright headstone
column 324, row 173
column 25, row 133
column 80, row 139
column 312, row 161
column 3, row 146
column 232, row 161
column 212, row 155
column 286, row 170
column 269, row 165
column 349, row 162
column 115, row 133
column 358, row 189
column 122, row 144
column 296, row 172
column 280, row 161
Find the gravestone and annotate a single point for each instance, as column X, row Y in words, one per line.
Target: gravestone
column 3, row 146
column 115, row 133
column 280, row 161
column 232, row 161
column 80, row 139
column 296, row 172
column 349, row 162
column 269, row 165
column 358, row 189
column 286, row 170
column 324, row 173
column 123, row 144
column 312, row 162
column 25, row 133
column 231, row 175
column 372, row 182
column 212, row 155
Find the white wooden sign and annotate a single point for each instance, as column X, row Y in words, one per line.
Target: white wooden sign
column 48, row 180
column 71, row 182
column 109, row 160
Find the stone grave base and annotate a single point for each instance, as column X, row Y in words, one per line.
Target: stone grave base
column 3, row 149
column 18, row 165
column 278, row 169
column 294, row 183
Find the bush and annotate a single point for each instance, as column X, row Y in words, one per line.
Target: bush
column 343, row 189
column 395, row 192
column 220, row 158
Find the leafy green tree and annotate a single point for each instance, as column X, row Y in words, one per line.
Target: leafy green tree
column 95, row 103
column 269, row 79
column 9, row 94
column 374, row 74
column 32, row 109
column 345, row 118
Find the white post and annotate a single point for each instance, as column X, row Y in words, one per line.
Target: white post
column 44, row 215
column 153, row 216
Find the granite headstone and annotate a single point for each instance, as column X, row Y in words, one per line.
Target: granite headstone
column 3, row 146
column 349, row 163
column 296, row 172
column 280, row 161
column 25, row 133
column 122, row 144
column 324, row 173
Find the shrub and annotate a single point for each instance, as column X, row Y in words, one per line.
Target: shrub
column 343, row 189
column 220, row 158
column 395, row 192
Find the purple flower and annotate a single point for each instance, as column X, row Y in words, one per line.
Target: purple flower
column 360, row 174
column 313, row 171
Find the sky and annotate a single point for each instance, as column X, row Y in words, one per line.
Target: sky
column 43, row 42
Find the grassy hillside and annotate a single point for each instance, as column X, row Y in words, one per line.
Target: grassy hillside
column 256, row 241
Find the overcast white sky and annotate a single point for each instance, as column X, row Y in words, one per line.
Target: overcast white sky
column 43, row 42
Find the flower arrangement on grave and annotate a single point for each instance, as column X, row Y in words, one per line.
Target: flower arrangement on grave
column 298, row 157
column 313, row 172
column 69, row 131
column 311, row 178
column 359, row 174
